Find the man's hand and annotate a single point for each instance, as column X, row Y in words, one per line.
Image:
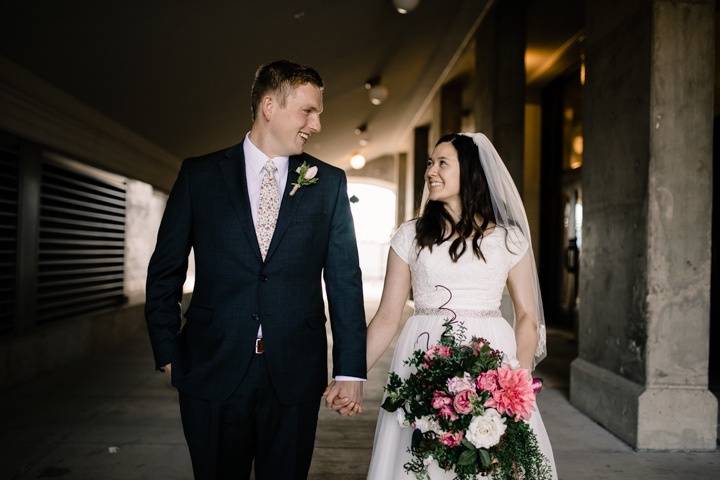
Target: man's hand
column 345, row 397
column 167, row 369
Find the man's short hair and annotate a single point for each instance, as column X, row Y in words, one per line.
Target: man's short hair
column 280, row 77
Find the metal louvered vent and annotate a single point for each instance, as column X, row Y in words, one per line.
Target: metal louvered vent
column 8, row 237
column 81, row 243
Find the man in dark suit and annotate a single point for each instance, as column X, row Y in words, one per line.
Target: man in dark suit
column 266, row 222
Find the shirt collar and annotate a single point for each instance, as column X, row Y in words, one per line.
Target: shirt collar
column 255, row 159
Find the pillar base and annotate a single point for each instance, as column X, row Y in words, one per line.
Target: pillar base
column 648, row 418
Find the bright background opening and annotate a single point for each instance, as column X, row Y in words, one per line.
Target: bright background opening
column 374, row 216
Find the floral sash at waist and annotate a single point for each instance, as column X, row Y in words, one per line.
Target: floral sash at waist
column 459, row 312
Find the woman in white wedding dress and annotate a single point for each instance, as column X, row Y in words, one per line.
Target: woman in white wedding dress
column 470, row 241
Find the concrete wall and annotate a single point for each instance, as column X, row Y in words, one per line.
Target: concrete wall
column 144, row 207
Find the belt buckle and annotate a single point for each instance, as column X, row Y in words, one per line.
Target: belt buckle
column 259, row 346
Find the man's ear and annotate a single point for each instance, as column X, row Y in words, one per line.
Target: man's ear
column 267, row 107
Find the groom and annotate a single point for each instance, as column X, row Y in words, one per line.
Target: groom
column 265, row 221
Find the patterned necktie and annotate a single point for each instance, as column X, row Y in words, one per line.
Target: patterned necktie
column 268, row 207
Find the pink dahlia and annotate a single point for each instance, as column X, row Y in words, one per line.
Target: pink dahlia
column 515, row 394
column 451, row 439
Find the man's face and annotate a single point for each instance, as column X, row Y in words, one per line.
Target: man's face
column 292, row 125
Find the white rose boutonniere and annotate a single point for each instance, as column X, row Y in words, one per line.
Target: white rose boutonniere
column 306, row 176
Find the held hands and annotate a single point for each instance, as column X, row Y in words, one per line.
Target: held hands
column 345, row 397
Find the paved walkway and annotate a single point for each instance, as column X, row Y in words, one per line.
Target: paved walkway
column 113, row 417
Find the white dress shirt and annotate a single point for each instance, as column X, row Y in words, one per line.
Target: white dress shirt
column 255, row 161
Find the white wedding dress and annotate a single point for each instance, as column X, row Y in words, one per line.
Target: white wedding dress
column 476, row 288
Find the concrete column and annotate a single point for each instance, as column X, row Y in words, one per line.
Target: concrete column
column 500, row 82
column 642, row 370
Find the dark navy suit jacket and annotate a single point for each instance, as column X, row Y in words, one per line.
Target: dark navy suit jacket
column 235, row 290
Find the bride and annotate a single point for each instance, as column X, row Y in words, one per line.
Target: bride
column 470, row 241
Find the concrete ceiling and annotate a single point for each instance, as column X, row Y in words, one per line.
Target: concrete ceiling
column 179, row 73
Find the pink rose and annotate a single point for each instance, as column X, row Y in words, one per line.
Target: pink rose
column 451, row 439
column 440, row 399
column 487, row 381
column 447, row 412
column 463, row 402
column 311, row 172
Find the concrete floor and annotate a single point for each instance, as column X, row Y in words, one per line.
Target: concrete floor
column 113, row 417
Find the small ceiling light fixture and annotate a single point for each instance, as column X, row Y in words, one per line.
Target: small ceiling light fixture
column 357, row 161
column 361, row 131
column 405, row 6
column 377, row 93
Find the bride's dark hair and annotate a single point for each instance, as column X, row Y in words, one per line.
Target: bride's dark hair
column 436, row 225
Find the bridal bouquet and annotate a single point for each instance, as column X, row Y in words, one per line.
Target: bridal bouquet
column 468, row 411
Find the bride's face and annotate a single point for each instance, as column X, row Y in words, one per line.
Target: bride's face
column 443, row 174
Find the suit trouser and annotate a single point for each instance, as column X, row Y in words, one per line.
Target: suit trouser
column 224, row 437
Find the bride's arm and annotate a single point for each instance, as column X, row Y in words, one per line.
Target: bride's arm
column 522, row 291
column 386, row 321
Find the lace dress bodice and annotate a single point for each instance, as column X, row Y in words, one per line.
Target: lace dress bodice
column 476, row 285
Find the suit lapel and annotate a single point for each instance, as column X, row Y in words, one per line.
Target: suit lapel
column 288, row 206
column 233, row 171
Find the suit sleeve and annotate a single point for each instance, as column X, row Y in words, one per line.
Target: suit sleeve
column 343, row 283
column 167, row 271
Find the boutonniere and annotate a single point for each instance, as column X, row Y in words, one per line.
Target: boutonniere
column 306, row 176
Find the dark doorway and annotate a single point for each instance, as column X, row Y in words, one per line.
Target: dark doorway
column 561, row 198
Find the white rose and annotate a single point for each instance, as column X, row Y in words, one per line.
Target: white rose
column 485, row 431
column 427, row 424
column 400, row 413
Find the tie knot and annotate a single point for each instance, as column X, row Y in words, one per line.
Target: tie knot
column 270, row 167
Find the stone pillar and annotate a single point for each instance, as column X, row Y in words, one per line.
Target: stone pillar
column 642, row 369
column 500, row 82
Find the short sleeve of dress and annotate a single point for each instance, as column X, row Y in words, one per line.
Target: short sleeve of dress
column 517, row 245
column 402, row 241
